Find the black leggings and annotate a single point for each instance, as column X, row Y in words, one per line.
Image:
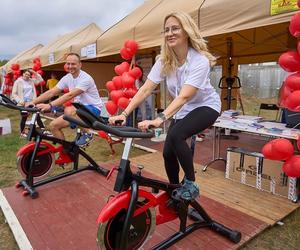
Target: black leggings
column 177, row 150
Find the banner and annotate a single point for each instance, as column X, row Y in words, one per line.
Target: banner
column 282, row 6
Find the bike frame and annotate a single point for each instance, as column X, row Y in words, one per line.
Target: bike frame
column 39, row 137
column 128, row 198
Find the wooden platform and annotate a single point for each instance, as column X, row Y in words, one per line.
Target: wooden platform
column 261, row 205
column 64, row 216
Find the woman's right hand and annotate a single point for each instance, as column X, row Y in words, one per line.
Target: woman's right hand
column 112, row 120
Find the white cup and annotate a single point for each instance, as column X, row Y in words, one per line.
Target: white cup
column 157, row 132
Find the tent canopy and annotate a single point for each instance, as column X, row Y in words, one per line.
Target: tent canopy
column 70, row 42
column 246, row 22
column 20, row 57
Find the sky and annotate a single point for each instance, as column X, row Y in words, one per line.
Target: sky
column 24, row 24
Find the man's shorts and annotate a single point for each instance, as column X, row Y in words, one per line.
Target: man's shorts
column 91, row 108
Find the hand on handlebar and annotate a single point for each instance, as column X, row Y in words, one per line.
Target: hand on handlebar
column 29, row 105
column 112, row 120
column 146, row 124
column 43, row 107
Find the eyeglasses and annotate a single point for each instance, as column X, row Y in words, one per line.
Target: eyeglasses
column 173, row 29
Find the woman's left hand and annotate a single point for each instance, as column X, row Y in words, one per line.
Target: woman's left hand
column 144, row 125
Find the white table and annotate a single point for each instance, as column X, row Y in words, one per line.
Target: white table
column 250, row 125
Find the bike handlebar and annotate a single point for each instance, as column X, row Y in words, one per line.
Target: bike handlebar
column 10, row 104
column 118, row 131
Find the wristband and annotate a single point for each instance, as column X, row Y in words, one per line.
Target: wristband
column 162, row 116
column 124, row 113
column 51, row 107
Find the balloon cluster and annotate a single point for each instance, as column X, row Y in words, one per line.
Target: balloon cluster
column 15, row 71
column 8, row 83
column 290, row 62
column 37, row 68
column 122, row 87
column 282, row 149
column 278, row 149
column 10, row 78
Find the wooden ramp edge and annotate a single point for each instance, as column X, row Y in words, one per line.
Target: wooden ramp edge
column 261, row 205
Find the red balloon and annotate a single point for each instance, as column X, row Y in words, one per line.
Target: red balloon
column 129, row 93
column 136, row 72
column 66, row 90
column 293, row 81
column 121, row 68
column 126, row 54
column 278, row 149
column 118, row 82
column 284, row 93
column 103, row 134
column 123, row 103
column 110, row 86
column 43, row 83
column 8, row 81
column 111, row 107
column 294, row 27
column 298, row 143
column 267, row 150
column 131, row 46
column 293, row 101
column 68, row 103
column 115, row 95
column 36, row 60
column 282, row 148
column 36, row 67
column 292, row 166
column 290, row 61
column 127, row 80
column 66, row 67
column 15, row 67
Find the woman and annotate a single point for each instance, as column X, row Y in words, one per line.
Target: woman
column 184, row 64
column 24, row 92
column 24, row 87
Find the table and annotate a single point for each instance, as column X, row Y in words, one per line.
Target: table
column 248, row 124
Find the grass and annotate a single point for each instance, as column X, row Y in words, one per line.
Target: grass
column 275, row 238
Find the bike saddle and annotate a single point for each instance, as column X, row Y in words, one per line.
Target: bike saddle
column 86, row 115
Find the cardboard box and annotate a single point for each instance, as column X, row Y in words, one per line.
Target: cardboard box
column 274, row 180
column 6, row 126
column 243, row 166
column 250, row 168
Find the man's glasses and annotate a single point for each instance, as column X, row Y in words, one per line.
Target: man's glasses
column 173, row 29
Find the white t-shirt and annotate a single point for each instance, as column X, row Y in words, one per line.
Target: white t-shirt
column 28, row 91
column 195, row 72
column 85, row 82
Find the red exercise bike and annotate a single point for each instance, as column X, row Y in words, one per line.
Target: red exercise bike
column 128, row 220
column 36, row 159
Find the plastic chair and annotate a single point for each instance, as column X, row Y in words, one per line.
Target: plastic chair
column 269, row 107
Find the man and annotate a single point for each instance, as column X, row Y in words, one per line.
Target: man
column 81, row 87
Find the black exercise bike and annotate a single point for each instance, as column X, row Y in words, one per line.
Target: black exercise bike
column 36, row 159
column 128, row 220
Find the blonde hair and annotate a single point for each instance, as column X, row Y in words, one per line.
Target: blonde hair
column 195, row 40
